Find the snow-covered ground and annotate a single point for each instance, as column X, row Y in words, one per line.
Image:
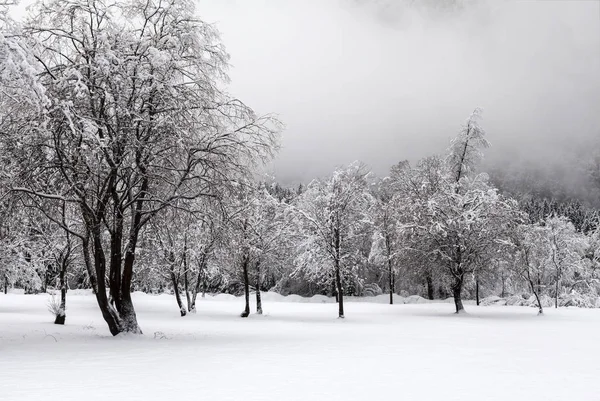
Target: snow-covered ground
column 299, row 351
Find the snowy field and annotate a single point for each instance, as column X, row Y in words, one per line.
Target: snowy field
column 298, row 351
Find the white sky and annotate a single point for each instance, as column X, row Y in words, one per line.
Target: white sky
column 359, row 81
column 382, row 81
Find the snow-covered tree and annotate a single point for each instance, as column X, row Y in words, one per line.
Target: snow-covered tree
column 332, row 215
column 465, row 150
column 137, row 121
column 385, row 246
column 464, row 228
column 566, row 249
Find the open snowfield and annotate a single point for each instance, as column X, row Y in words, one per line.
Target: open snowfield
column 298, row 351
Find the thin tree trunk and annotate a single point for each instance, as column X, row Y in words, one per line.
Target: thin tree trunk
column 188, row 297
column 391, row 279
column 537, row 297
column 340, row 290
column 556, row 292
column 245, row 262
column 5, row 284
column 477, row 291
column 456, row 292
column 531, row 283
column 186, row 285
column 175, row 282
column 258, row 297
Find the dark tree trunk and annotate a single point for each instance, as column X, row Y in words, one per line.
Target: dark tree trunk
column 556, row 290
column 186, row 288
column 5, row 284
column 457, row 293
column 533, row 286
column 60, row 318
column 186, row 284
column 258, row 298
column 108, row 312
column 391, row 281
column 429, row 283
column 85, row 244
column 340, row 290
column 537, row 297
column 175, row 282
column 477, row 291
column 116, row 258
column 245, row 263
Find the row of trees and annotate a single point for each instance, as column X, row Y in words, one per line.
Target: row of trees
column 126, row 166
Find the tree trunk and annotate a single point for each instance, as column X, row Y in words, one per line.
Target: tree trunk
column 340, row 289
column 175, row 282
column 186, row 286
column 391, row 279
column 258, row 298
column 201, row 273
column 60, row 318
column 477, row 291
column 109, row 314
column 456, row 292
column 556, row 293
column 188, row 297
column 5, row 284
column 537, row 297
column 245, row 262
column 429, row 283
column 85, row 245
column 116, row 258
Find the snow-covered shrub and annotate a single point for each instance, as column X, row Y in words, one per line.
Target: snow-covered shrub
column 579, row 300
column 372, row 290
column 53, row 305
column 515, row 300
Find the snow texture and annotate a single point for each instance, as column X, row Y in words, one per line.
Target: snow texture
column 298, row 350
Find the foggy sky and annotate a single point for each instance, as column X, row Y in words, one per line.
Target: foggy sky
column 387, row 80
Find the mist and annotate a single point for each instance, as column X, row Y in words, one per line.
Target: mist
column 383, row 81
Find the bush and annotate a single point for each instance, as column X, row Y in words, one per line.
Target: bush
column 54, row 305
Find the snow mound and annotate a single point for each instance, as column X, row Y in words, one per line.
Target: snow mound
column 320, row 299
column 415, row 299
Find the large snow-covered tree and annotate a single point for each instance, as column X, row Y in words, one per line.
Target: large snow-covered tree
column 137, row 120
